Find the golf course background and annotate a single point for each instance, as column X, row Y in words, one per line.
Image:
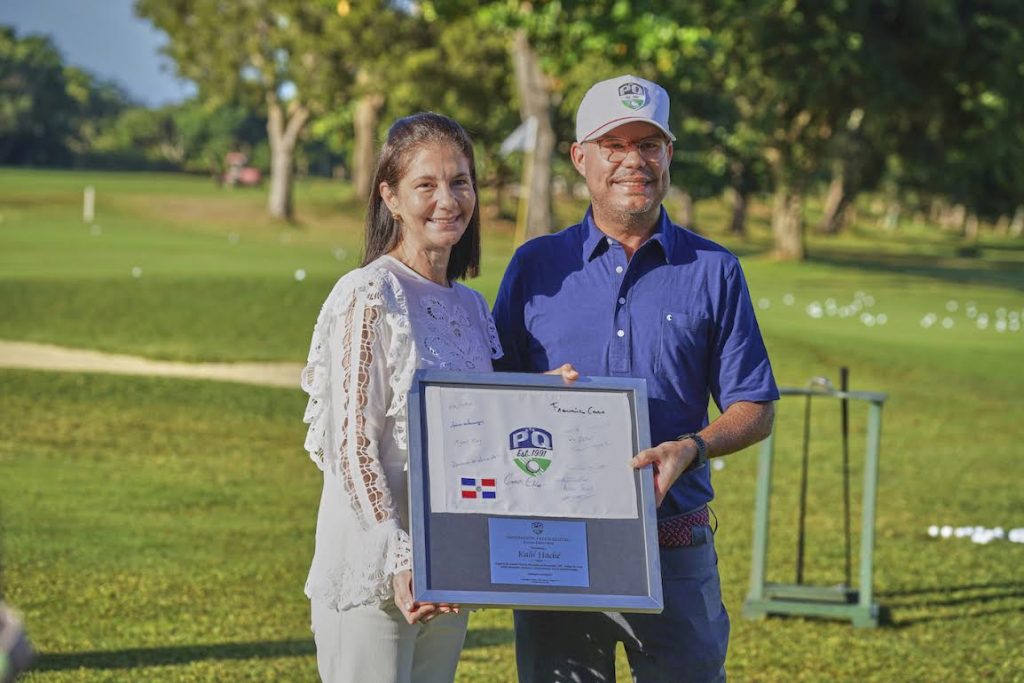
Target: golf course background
column 160, row 529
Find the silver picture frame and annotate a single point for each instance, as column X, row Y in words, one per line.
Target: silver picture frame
column 453, row 557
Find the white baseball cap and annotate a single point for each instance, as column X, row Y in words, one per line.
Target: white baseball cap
column 612, row 103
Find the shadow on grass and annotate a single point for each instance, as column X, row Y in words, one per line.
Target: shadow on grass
column 131, row 658
column 946, row 603
column 1001, row 273
column 487, row 637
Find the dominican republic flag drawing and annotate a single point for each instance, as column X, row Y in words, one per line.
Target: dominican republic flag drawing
column 475, row 487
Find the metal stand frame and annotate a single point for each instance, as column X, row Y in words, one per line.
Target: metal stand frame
column 841, row 602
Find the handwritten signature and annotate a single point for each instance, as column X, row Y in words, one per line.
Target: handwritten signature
column 513, row 480
column 576, row 497
column 474, row 461
column 576, row 483
column 576, row 410
column 465, row 423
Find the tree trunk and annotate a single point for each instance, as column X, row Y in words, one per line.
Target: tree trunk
column 687, row 215
column 836, row 201
column 738, row 222
column 787, row 225
column 534, row 91
column 892, row 216
column 1017, row 224
column 283, row 132
column 953, row 217
column 936, row 211
column 971, row 228
column 364, row 155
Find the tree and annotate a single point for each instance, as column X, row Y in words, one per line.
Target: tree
column 463, row 71
column 791, row 72
column 36, row 111
column 562, row 48
column 972, row 147
column 293, row 59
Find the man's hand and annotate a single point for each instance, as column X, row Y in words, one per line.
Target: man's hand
column 670, row 459
column 416, row 611
column 742, row 424
column 567, row 371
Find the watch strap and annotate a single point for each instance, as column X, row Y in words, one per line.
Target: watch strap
column 702, row 450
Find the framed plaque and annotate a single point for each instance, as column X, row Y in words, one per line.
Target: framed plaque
column 522, row 494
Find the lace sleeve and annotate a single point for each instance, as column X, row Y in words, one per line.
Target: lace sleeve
column 350, row 391
column 365, row 389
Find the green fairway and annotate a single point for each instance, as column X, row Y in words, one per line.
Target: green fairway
column 174, row 267
column 160, row 530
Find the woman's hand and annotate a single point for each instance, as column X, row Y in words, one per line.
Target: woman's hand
column 416, row 611
column 567, row 371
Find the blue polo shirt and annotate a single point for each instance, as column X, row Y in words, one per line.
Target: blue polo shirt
column 677, row 314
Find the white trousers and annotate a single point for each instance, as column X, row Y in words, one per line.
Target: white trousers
column 374, row 645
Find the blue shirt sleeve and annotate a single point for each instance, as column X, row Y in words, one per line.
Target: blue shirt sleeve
column 740, row 370
column 510, row 322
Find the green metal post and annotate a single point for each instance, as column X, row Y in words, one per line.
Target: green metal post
column 841, row 602
column 868, row 614
column 760, row 552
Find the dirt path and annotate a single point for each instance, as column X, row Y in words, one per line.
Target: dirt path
column 59, row 358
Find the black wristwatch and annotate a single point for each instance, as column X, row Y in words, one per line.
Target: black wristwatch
column 702, row 451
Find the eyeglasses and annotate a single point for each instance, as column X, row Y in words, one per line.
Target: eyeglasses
column 615, row 150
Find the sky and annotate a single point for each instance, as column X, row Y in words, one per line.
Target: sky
column 105, row 38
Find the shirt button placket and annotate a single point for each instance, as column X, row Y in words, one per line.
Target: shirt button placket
column 619, row 355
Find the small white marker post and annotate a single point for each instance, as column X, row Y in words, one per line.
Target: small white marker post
column 89, row 204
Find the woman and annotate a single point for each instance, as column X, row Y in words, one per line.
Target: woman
column 401, row 310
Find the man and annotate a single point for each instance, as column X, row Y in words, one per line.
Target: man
column 627, row 293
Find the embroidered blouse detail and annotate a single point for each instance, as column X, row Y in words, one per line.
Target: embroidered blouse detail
column 365, row 348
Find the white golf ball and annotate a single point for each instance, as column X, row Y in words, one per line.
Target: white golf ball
column 788, row 299
column 952, row 305
column 947, row 323
column 136, row 272
column 300, row 275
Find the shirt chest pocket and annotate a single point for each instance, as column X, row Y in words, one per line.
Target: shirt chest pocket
column 684, row 344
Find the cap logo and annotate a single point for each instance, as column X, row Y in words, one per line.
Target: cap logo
column 633, row 95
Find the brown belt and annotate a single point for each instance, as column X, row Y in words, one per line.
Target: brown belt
column 677, row 532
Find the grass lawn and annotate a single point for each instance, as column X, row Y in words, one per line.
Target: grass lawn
column 160, row 530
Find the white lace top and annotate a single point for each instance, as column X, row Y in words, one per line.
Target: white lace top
column 379, row 324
